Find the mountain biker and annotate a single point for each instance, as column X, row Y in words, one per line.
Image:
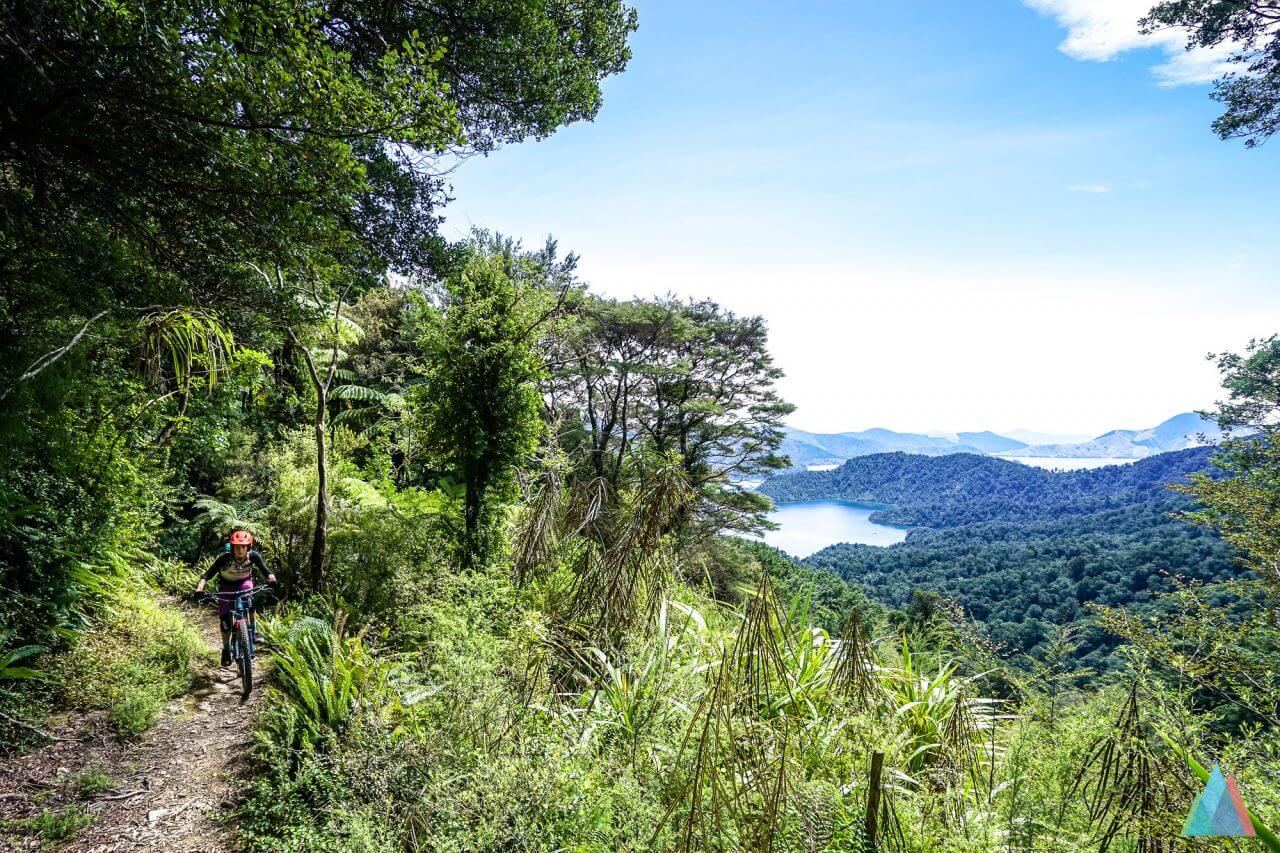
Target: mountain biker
column 235, row 574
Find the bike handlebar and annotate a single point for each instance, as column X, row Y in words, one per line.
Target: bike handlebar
column 205, row 596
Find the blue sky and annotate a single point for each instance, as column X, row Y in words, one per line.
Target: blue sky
column 953, row 216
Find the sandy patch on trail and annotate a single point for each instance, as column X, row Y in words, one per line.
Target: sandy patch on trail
column 171, row 786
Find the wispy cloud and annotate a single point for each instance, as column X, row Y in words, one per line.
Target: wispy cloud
column 1100, row 30
column 1089, row 188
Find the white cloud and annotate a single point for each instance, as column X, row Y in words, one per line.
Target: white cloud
column 1089, row 188
column 1100, row 30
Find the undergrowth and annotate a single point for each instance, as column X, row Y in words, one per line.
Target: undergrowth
column 139, row 653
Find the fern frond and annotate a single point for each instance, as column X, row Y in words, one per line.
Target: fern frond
column 358, row 393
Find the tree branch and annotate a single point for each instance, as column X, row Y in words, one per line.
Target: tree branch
column 46, row 360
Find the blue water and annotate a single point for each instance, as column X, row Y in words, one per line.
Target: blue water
column 806, row 527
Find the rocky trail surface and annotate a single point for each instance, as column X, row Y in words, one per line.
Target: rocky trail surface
column 167, row 789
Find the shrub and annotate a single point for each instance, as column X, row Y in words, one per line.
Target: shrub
column 321, row 680
column 92, row 783
column 53, row 826
column 141, row 654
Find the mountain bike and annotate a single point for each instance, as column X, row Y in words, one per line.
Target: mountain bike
column 242, row 639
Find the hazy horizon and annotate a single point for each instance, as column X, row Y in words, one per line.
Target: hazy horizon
column 1051, row 436
column 948, row 220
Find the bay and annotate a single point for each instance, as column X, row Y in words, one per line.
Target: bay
column 806, row 527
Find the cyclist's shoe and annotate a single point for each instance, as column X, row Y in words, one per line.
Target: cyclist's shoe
column 226, row 656
column 257, row 638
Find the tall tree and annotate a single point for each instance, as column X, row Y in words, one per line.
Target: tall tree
column 1244, row 505
column 673, row 376
column 1250, row 93
column 478, row 406
column 335, row 331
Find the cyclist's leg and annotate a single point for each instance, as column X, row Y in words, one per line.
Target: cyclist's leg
column 253, row 624
column 224, row 622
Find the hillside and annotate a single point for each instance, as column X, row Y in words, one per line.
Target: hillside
column 1021, row 548
column 967, row 488
column 1019, row 578
column 989, row 442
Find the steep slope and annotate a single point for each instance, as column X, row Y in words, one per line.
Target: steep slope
column 1018, row 578
column 1021, row 548
column 805, row 449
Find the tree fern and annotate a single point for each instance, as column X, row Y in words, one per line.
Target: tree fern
column 359, row 393
column 190, row 343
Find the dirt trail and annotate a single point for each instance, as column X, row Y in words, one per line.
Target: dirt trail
column 170, row 786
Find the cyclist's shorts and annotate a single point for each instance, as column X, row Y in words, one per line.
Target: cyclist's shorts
column 225, row 602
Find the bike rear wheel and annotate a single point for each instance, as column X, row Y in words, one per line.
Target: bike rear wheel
column 245, row 663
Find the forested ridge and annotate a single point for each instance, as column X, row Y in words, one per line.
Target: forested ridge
column 1022, row 580
column 516, row 611
column 1024, row 550
column 964, row 488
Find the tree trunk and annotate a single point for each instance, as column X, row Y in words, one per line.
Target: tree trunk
column 472, row 501
column 873, row 798
column 321, row 536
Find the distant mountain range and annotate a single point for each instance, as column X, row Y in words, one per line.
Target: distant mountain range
column 811, row 449
column 1027, row 436
column 1178, row 432
column 808, row 449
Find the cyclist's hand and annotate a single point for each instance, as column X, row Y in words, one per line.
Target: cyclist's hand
column 198, row 595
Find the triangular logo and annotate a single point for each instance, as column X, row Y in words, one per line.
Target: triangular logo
column 1218, row 811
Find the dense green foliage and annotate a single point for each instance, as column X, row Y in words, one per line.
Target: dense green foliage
column 136, row 658
column 478, row 403
column 1018, row 579
column 684, row 377
column 1022, row 549
column 188, row 191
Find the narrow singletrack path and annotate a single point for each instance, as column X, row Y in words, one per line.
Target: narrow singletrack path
column 171, row 786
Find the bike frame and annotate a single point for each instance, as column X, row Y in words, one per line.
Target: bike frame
column 241, row 607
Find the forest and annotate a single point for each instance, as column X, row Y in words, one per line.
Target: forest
column 514, row 610
column 1024, row 581
column 964, row 488
column 1025, row 551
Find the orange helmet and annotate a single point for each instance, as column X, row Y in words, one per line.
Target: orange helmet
column 241, row 537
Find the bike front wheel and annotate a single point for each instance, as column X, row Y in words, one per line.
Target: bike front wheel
column 245, row 663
